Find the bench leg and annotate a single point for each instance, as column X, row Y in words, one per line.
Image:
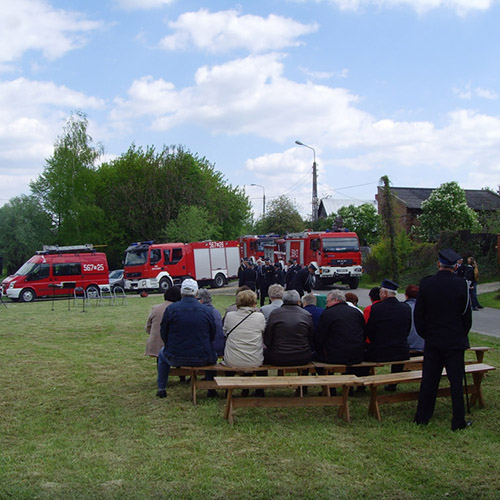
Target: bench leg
column 479, row 356
column 344, row 407
column 228, row 410
column 374, row 408
column 194, row 388
column 477, row 395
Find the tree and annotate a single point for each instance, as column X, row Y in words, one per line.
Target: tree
column 24, row 228
column 66, row 188
column 281, row 217
column 389, row 226
column 191, row 224
column 363, row 220
column 446, row 209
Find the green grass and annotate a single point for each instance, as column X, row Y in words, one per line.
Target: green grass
column 490, row 299
column 79, row 419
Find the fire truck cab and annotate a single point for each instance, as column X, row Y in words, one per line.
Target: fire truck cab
column 151, row 266
column 335, row 254
column 58, row 271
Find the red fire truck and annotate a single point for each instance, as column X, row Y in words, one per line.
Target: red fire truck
column 335, row 254
column 261, row 246
column 58, row 271
column 151, row 266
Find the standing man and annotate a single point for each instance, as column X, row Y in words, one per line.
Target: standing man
column 188, row 331
column 443, row 318
column 302, row 280
column 292, row 270
column 266, row 280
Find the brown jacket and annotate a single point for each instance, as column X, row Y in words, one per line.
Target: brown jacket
column 155, row 343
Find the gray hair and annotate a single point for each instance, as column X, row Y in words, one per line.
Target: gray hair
column 291, row 297
column 337, row 295
column 276, row 291
column 204, row 296
column 390, row 292
column 309, row 299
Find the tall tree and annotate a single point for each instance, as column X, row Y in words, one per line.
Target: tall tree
column 24, row 227
column 191, row 224
column 446, row 209
column 389, row 226
column 363, row 220
column 66, row 188
column 282, row 217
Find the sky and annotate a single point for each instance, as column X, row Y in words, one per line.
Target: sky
column 404, row 88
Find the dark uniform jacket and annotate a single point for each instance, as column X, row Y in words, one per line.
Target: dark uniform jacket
column 289, row 334
column 248, row 277
column 341, row 335
column 301, row 281
column 442, row 313
column 388, row 328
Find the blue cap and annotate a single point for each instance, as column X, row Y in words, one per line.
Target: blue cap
column 448, row 257
column 390, row 285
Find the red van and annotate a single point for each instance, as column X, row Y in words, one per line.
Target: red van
column 58, row 271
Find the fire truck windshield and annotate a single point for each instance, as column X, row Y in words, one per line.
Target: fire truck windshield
column 340, row 245
column 26, row 268
column 136, row 258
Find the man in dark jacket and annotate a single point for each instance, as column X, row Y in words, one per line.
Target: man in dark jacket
column 292, row 269
column 188, row 331
column 443, row 318
column 302, row 280
column 388, row 326
column 265, row 280
column 289, row 333
column 248, row 275
column 341, row 332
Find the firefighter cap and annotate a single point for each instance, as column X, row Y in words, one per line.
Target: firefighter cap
column 448, row 257
column 389, row 285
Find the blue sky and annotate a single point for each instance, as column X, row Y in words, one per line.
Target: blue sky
column 408, row 89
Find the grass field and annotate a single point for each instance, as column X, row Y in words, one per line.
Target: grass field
column 79, row 419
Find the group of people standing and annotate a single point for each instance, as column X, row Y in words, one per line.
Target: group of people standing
column 292, row 330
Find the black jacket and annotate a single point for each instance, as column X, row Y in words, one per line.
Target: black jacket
column 341, row 335
column 301, row 281
column 289, row 333
column 443, row 314
column 388, row 327
column 248, row 277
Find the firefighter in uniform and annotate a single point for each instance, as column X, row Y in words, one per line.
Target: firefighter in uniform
column 443, row 318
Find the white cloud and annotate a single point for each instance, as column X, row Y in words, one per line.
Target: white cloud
column 461, row 7
column 468, row 93
column 142, row 4
column 31, row 117
column 228, row 30
column 35, row 25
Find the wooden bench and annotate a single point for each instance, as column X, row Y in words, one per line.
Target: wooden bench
column 291, row 382
column 197, row 372
column 416, row 361
column 375, row 381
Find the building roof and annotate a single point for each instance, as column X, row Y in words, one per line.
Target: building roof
column 331, row 206
column 477, row 199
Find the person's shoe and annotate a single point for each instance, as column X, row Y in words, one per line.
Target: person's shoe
column 161, row 394
column 480, row 307
column 245, row 393
column 333, row 391
column 391, row 387
column 465, row 425
column 211, row 393
column 182, row 378
column 259, row 393
column 475, row 309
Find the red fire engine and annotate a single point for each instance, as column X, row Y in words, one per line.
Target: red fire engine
column 58, row 271
column 150, row 266
column 260, row 246
column 335, row 254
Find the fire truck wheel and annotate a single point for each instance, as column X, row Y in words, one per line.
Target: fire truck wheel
column 92, row 292
column 353, row 283
column 27, row 295
column 219, row 281
column 164, row 285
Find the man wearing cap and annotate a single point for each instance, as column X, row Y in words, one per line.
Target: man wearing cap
column 292, row 270
column 188, row 331
column 443, row 318
column 302, row 280
column 265, row 280
column 388, row 326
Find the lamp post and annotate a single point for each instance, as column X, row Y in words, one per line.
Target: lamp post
column 263, row 198
column 315, row 204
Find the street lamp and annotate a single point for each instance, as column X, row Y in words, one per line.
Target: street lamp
column 315, row 204
column 263, row 198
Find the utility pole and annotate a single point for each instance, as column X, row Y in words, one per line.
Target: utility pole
column 315, row 201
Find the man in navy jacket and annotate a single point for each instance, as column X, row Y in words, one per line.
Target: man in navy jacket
column 188, row 331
